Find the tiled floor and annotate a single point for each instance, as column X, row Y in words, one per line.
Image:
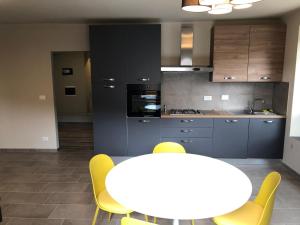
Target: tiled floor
column 54, row 189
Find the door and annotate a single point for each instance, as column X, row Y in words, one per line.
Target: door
column 143, row 135
column 107, row 45
column 230, row 53
column 145, row 53
column 230, row 138
column 266, row 52
column 266, row 138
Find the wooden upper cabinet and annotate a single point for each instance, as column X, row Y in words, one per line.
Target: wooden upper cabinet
column 230, row 53
column 266, row 52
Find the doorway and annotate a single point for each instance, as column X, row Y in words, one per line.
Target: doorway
column 73, row 100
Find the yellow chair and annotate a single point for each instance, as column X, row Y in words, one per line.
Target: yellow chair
column 257, row 212
column 100, row 165
column 169, row 147
column 132, row 221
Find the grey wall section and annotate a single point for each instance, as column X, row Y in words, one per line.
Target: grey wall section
column 186, row 90
column 72, row 108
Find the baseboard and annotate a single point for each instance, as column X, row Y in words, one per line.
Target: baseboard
column 24, row 150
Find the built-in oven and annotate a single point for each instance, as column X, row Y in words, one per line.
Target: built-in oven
column 143, row 100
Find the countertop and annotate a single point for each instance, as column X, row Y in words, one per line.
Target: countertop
column 224, row 114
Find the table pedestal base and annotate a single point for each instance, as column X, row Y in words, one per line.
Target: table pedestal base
column 175, row 222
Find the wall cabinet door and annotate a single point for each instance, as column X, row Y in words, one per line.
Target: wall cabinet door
column 230, row 138
column 266, row 138
column 144, row 53
column 266, row 52
column 143, row 135
column 230, row 53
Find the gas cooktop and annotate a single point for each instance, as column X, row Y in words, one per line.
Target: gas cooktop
column 188, row 111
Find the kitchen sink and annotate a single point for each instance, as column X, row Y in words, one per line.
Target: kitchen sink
column 248, row 112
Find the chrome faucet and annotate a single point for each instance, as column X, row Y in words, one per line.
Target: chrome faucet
column 252, row 107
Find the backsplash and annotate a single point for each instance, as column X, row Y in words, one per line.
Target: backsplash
column 187, row 90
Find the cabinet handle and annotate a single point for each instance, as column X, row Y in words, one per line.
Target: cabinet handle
column 265, row 78
column 144, row 121
column 229, row 78
column 110, row 79
column 109, row 86
column 144, row 79
column 268, row 121
column 231, row 121
column 186, row 131
column 186, row 141
column 187, row 121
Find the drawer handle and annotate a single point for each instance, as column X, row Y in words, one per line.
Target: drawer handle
column 186, row 131
column 187, row 121
column 144, row 79
column 268, row 121
column 265, row 78
column 186, row 141
column 109, row 86
column 109, row 79
column 231, row 121
column 229, row 78
column 144, row 121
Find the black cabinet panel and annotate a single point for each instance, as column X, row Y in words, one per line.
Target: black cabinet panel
column 144, row 54
column 201, row 146
column 266, row 138
column 143, row 135
column 230, row 138
column 186, row 122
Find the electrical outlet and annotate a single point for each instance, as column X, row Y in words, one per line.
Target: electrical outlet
column 225, row 97
column 207, row 98
column 42, row 97
column 45, row 139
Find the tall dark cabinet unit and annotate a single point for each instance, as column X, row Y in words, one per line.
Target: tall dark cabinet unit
column 120, row 54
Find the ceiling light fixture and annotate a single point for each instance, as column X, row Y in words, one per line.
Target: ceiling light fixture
column 216, row 7
column 194, row 6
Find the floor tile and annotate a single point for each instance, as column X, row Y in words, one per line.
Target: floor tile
column 22, row 198
column 70, row 198
column 28, row 210
column 73, row 212
column 24, row 221
column 65, row 187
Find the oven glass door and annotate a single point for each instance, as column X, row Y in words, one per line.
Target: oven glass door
column 143, row 103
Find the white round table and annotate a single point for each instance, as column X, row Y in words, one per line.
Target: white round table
column 178, row 186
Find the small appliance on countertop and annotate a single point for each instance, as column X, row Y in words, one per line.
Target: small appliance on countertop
column 189, row 112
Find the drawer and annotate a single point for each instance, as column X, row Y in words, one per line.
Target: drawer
column 186, row 122
column 201, row 146
column 187, row 132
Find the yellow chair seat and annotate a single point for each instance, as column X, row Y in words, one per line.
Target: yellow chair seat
column 132, row 221
column 249, row 214
column 107, row 203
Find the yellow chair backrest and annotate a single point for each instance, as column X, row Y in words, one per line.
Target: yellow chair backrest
column 169, row 147
column 100, row 165
column 266, row 196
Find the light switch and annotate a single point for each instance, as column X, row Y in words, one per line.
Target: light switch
column 225, row 97
column 207, row 98
column 42, row 97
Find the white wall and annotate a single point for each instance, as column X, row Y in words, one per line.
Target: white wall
column 292, row 75
column 26, row 73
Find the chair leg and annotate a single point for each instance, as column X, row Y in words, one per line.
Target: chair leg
column 109, row 216
column 154, row 220
column 193, row 222
column 146, row 218
column 95, row 216
column 128, row 215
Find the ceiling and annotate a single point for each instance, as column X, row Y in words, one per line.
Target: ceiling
column 89, row 11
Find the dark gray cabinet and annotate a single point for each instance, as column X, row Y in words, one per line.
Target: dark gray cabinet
column 194, row 134
column 143, row 135
column 120, row 54
column 266, row 138
column 144, row 54
column 230, row 138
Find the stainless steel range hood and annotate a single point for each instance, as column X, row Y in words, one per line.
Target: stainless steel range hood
column 186, row 54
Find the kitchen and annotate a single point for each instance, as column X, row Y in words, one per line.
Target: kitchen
column 233, row 98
